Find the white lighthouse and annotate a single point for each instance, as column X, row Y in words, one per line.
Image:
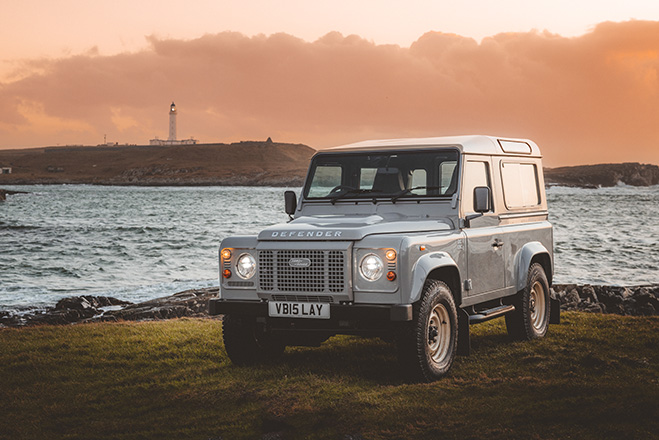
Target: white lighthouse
column 171, row 140
column 172, row 122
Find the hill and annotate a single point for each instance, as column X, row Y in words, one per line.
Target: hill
column 606, row 174
column 243, row 163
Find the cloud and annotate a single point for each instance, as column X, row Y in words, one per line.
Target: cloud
column 592, row 98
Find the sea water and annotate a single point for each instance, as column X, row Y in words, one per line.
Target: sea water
column 139, row 243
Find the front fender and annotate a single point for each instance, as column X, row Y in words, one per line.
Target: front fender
column 423, row 267
column 523, row 261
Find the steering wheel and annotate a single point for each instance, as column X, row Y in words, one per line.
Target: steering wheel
column 338, row 188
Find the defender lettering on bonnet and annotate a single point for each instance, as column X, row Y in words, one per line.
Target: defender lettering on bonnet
column 302, row 234
column 430, row 235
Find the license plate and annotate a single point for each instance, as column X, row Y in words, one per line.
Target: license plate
column 279, row 309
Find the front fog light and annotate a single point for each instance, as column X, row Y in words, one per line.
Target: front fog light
column 371, row 267
column 246, row 266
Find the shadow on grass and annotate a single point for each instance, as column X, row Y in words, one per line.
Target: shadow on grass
column 344, row 358
column 353, row 358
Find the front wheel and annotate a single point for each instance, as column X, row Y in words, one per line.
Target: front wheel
column 530, row 320
column 427, row 347
column 246, row 342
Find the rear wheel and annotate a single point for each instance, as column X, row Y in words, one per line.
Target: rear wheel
column 427, row 346
column 246, row 342
column 530, row 319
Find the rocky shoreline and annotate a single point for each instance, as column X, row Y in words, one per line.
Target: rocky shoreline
column 629, row 301
column 5, row 192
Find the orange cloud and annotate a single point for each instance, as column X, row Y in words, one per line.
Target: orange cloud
column 588, row 99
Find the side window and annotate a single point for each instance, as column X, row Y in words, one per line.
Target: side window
column 520, row 185
column 476, row 174
column 325, row 178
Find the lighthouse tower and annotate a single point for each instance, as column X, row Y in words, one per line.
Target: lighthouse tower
column 171, row 140
column 172, row 122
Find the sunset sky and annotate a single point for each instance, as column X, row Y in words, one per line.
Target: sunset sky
column 581, row 78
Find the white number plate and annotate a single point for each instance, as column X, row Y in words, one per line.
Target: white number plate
column 298, row 310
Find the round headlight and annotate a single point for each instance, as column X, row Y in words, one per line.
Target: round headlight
column 246, row 266
column 371, row 267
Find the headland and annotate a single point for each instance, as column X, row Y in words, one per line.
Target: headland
column 249, row 163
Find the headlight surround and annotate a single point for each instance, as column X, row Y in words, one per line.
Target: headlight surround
column 246, row 266
column 371, row 267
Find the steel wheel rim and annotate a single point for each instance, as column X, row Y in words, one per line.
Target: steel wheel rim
column 439, row 333
column 537, row 306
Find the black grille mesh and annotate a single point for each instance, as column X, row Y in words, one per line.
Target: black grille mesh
column 325, row 272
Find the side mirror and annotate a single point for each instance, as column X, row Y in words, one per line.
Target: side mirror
column 482, row 199
column 290, row 200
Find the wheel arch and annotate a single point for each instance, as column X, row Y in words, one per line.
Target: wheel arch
column 533, row 252
column 436, row 266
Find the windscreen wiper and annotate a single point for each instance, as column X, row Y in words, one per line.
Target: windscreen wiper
column 400, row 194
column 350, row 192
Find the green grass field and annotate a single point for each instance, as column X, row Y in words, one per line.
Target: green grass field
column 592, row 377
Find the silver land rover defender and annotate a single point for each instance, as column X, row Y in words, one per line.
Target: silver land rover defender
column 411, row 240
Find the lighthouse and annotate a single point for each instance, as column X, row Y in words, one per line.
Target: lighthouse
column 172, row 122
column 171, row 140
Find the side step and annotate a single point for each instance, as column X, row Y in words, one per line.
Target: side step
column 486, row 315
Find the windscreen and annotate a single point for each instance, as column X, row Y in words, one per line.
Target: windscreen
column 395, row 175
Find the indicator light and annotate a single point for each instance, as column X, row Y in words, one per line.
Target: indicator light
column 390, row 254
column 226, row 254
column 226, row 273
column 391, row 275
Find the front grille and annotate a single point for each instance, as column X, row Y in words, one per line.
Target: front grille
column 322, row 271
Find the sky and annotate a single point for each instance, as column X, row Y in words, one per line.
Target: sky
column 581, row 78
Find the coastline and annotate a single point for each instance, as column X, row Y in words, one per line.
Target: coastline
column 626, row 301
column 246, row 163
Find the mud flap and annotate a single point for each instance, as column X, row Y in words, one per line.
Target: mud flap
column 554, row 311
column 464, row 341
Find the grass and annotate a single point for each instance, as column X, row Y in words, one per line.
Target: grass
column 592, row 377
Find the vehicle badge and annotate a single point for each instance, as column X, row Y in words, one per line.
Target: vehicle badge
column 299, row 262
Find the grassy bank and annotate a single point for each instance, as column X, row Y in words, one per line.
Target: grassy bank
column 594, row 376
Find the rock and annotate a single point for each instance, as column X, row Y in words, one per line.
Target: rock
column 589, row 295
column 74, row 303
column 5, row 192
column 191, row 303
column 635, row 301
column 592, row 308
column 571, row 300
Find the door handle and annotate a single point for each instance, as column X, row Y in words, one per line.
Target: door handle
column 497, row 243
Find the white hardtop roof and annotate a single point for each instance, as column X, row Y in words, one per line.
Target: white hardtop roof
column 475, row 144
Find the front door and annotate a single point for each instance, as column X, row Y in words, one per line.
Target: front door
column 485, row 257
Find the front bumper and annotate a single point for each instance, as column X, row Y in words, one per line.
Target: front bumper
column 353, row 312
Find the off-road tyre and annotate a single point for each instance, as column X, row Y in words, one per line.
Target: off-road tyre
column 246, row 341
column 530, row 320
column 427, row 345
